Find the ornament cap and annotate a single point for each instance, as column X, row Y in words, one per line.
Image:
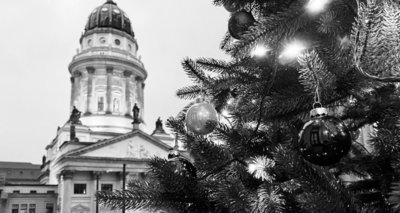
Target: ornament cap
column 199, row 100
column 319, row 112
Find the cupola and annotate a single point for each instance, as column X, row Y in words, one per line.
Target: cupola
column 106, row 16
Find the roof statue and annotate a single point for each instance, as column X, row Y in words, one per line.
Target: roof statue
column 159, row 126
column 136, row 111
column 75, row 116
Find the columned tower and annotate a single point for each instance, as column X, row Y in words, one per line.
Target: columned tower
column 107, row 76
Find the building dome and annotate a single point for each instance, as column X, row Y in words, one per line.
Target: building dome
column 109, row 15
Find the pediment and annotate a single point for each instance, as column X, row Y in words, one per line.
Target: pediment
column 137, row 146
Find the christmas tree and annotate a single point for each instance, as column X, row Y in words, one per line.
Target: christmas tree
column 339, row 59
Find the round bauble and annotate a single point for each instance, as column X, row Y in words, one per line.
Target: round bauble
column 239, row 23
column 173, row 153
column 231, row 7
column 201, row 118
column 182, row 166
column 324, row 140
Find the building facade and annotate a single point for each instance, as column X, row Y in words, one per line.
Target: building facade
column 104, row 130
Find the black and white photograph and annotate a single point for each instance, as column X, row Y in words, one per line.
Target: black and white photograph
column 177, row 106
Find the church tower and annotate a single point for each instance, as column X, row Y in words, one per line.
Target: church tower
column 102, row 133
column 107, row 76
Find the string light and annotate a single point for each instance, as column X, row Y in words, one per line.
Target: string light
column 259, row 51
column 225, row 113
column 230, row 101
column 293, row 50
column 316, row 6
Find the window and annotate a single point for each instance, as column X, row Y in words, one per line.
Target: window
column 14, row 208
column 106, row 187
column 33, row 191
column 116, row 105
column 50, row 192
column 89, row 42
column 100, row 104
column 79, row 188
column 16, row 191
column 102, row 40
column 32, row 208
column 117, row 41
column 24, row 208
column 49, row 208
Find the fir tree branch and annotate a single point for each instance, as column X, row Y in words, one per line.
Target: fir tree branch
column 219, row 168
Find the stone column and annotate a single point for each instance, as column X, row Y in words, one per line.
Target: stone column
column 90, row 71
column 139, row 95
column 108, row 91
column 72, row 92
column 96, row 187
column 142, row 99
column 66, row 178
column 75, row 88
column 127, row 75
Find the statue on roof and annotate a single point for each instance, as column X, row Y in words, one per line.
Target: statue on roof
column 159, row 126
column 136, row 111
column 75, row 116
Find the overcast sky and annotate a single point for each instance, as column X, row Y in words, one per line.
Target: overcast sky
column 38, row 39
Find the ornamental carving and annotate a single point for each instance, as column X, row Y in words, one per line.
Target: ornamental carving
column 80, row 209
column 137, row 151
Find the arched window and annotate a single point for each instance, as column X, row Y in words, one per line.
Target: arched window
column 115, row 105
column 100, row 104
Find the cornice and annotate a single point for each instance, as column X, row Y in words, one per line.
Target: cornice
column 109, row 30
column 101, row 58
column 118, row 139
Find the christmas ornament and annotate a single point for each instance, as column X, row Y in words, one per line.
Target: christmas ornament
column 324, row 140
column 239, row 23
column 180, row 165
column 231, row 7
column 201, row 118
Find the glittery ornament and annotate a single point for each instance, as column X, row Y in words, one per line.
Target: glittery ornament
column 324, row 140
column 180, row 165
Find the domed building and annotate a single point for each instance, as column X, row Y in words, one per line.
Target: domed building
column 104, row 130
column 107, row 76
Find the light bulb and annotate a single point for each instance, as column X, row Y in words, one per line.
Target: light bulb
column 225, row 113
column 230, row 101
column 293, row 50
column 316, row 6
column 260, row 51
